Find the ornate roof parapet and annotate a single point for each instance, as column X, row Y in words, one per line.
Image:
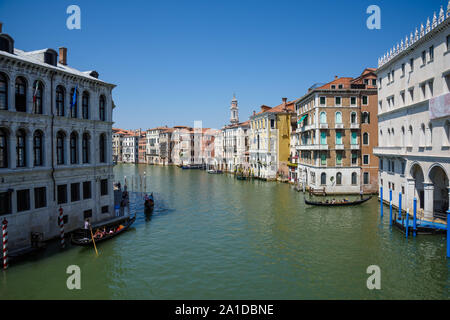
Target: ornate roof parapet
column 413, row 38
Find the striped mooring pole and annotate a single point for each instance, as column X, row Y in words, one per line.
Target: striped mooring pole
column 448, row 233
column 381, row 202
column 407, row 223
column 415, row 217
column 61, row 227
column 5, row 243
column 390, row 203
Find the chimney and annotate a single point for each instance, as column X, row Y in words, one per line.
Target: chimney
column 336, row 77
column 284, row 100
column 1, row 26
column 63, row 56
column 254, row 112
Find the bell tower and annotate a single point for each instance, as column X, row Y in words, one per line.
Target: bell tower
column 234, row 110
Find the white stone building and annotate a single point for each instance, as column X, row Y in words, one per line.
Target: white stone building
column 55, row 147
column 152, row 145
column 130, row 149
column 236, row 141
column 414, row 119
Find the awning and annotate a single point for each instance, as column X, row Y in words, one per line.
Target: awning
column 302, row 118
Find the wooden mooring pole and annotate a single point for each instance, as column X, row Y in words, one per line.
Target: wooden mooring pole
column 390, row 203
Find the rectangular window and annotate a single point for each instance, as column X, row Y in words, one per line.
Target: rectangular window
column 354, row 158
column 5, row 203
column 272, row 123
column 337, row 101
column 87, row 214
column 353, row 101
column 75, row 192
column 366, row 178
column 411, row 64
column 366, row 159
column 374, row 82
column 323, row 159
column 431, row 53
column 40, row 197
column 23, row 200
column 340, row 86
column 338, row 158
column 87, row 193
column 338, row 137
column 62, row 194
column 105, row 209
column 323, row 137
column 322, row 101
column 403, row 69
column 103, row 187
column 424, row 57
column 448, row 43
column 333, row 87
column 381, row 164
column 365, row 100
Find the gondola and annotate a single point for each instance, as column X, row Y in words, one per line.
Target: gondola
column 82, row 237
column 337, row 204
column 149, row 204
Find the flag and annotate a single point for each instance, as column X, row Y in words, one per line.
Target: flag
column 35, row 93
column 74, row 98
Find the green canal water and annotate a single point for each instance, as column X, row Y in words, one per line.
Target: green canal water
column 214, row 237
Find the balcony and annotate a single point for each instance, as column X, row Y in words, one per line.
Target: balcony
column 354, row 126
column 306, row 128
column 388, row 151
column 312, row 147
column 339, row 126
column 354, row 146
column 323, row 126
column 339, row 147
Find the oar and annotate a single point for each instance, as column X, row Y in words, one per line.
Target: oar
column 93, row 241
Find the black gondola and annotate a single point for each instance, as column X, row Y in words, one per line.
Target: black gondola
column 149, row 203
column 82, row 237
column 337, row 204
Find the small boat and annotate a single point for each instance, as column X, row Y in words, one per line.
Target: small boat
column 241, row 177
column 215, row 171
column 337, row 204
column 420, row 230
column 149, row 203
column 82, row 237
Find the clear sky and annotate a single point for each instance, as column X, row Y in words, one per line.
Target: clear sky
column 179, row 61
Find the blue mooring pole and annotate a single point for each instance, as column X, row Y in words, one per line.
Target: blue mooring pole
column 381, row 201
column 415, row 217
column 407, row 222
column 390, row 204
column 399, row 204
column 448, row 233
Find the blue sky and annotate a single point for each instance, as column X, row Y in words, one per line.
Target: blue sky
column 179, row 61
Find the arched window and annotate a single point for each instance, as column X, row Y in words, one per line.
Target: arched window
column 37, row 149
column 38, row 91
column 102, row 108
column 447, row 132
column 21, row 95
column 354, row 178
column 403, row 137
column 60, row 137
column 102, row 148
column 74, row 103
column 73, row 148
column 60, row 93
column 323, row 117
column 3, row 92
column 85, row 105
column 21, row 148
column 365, row 138
column 430, row 138
column 353, row 117
column 365, row 117
column 422, row 135
column 338, row 117
column 323, row 178
column 85, row 147
column 3, row 148
column 338, row 178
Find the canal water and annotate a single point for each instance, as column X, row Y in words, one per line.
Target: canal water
column 215, row 237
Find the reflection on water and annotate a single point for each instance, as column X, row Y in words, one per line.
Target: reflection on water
column 215, row 237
